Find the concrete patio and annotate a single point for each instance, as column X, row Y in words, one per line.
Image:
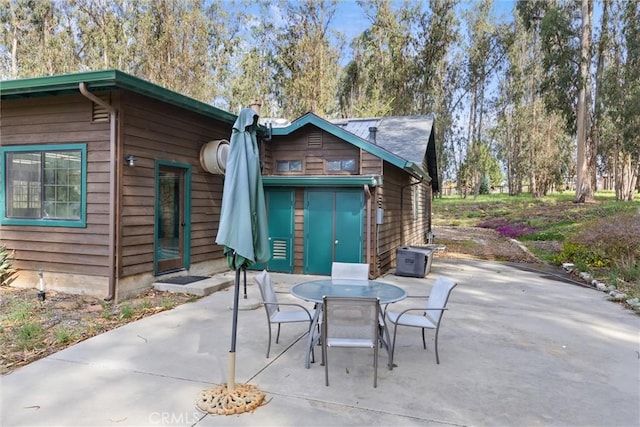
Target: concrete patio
column 517, row 348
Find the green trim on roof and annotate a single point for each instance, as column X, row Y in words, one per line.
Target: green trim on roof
column 387, row 156
column 322, row 181
column 107, row 80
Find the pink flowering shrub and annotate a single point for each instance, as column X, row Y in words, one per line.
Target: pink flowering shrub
column 506, row 228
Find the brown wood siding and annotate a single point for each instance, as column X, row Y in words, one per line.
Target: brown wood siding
column 370, row 164
column 266, row 156
column 399, row 228
column 296, row 147
column 62, row 120
column 155, row 131
column 298, row 256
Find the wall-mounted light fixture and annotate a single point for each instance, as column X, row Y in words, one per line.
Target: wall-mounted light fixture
column 131, row 160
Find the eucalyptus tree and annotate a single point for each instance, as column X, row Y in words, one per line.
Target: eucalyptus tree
column 485, row 56
column 254, row 63
column 184, row 45
column 306, row 63
column 104, row 33
column 379, row 79
column 435, row 72
column 36, row 39
column 619, row 122
column 584, row 188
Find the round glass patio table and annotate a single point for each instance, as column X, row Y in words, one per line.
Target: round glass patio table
column 315, row 290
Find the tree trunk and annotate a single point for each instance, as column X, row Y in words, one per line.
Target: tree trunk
column 584, row 191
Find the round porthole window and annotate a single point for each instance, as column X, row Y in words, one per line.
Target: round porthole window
column 213, row 156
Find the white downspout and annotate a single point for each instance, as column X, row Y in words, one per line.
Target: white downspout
column 112, row 184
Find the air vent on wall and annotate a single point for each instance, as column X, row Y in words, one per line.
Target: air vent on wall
column 100, row 114
column 213, row 156
column 315, row 140
column 280, row 250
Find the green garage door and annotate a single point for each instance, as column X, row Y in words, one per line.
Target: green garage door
column 333, row 224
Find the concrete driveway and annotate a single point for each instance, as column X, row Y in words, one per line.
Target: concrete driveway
column 517, row 348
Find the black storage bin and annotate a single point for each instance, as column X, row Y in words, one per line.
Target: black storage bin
column 413, row 261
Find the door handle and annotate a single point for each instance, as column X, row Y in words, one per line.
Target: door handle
column 335, row 243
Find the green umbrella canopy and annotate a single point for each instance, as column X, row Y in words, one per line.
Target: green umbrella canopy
column 243, row 229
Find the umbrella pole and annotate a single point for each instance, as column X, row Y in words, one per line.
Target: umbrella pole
column 231, row 384
column 231, row 398
column 244, row 270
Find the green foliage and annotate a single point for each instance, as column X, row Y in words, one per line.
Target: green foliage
column 167, row 304
column 29, row 336
column 610, row 243
column 544, row 236
column 583, row 256
column 7, row 272
column 64, row 335
column 126, row 311
column 19, row 311
column 107, row 311
column 485, row 187
column 601, row 238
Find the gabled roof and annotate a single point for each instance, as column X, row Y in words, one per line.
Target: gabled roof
column 105, row 80
column 359, row 139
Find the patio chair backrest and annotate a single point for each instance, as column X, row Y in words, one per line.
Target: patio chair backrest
column 266, row 290
column 351, row 322
column 438, row 297
column 349, row 271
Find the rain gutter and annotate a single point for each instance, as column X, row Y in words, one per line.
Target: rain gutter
column 113, row 115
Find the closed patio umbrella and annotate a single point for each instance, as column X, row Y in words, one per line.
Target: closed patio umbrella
column 243, row 232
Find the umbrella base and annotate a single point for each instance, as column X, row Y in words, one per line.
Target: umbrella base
column 221, row 401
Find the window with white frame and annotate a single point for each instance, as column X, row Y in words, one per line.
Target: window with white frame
column 341, row 165
column 289, row 166
column 44, row 185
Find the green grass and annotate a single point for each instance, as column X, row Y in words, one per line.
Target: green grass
column 598, row 237
column 19, row 311
column 126, row 311
column 64, row 335
column 29, row 336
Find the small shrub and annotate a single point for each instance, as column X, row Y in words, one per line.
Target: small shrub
column 606, row 243
column 630, row 273
column 126, row 312
column 7, row 272
column 63, row 335
column 145, row 305
column 583, row 256
column 167, row 304
column 107, row 314
column 19, row 311
column 29, row 335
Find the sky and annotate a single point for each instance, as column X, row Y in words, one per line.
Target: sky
column 351, row 20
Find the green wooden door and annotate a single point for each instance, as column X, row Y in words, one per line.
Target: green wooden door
column 333, row 224
column 349, row 226
column 172, row 213
column 281, row 214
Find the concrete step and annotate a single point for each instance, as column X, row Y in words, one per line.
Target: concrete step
column 201, row 288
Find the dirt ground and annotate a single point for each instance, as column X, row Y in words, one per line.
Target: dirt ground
column 488, row 244
column 31, row 329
